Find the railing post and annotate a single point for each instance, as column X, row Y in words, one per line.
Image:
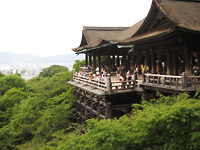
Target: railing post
column 184, row 80
column 108, row 83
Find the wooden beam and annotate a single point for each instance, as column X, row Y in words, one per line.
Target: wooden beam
column 86, row 59
column 187, row 61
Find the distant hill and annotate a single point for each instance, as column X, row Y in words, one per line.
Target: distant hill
column 9, row 58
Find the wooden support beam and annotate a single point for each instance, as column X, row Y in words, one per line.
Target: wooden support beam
column 94, row 63
column 86, row 59
column 118, row 61
column 98, row 107
column 174, row 63
column 99, row 62
column 91, row 106
column 188, row 68
column 85, row 104
column 107, row 110
column 113, row 63
column 90, row 59
column 153, row 61
column 169, row 62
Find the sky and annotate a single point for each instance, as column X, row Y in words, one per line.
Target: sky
column 54, row 27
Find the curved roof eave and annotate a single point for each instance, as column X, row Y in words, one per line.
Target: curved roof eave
column 184, row 14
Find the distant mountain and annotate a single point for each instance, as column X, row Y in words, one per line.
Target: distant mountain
column 9, row 58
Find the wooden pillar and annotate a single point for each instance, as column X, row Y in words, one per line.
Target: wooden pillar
column 129, row 62
column 85, row 105
column 99, row 62
column 153, row 61
column 174, row 65
column 86, row 59
column 107, row 110
column 113, row 63
column 108, row 63
column 118, row 62
column 124, row 61
column 133, row 61
column 91, row 106
column 94, row 63
column 98, row 107
column 187, row 61
column 169, row 62
column 90, row 59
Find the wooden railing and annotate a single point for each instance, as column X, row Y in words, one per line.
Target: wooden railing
column 154, row 80
column 193, row 82
column 101, row 85
column 107, row 86
column 169, row 81
column 124, row 85
column 163, row 80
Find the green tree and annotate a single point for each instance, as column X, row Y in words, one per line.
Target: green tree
column 11, row 98
column 11, row 81
column 164, row 123
column 78, row 64
column 52, row 70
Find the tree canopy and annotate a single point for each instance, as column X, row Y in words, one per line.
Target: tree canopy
column 39, row 114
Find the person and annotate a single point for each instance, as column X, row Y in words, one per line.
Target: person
column 196, row 70
column 128, row 75
column 143, row 69
column 118, row 72
column 135, row 73
column 123, row 79
column 104, row 75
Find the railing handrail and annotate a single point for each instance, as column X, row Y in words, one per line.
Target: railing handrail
column 160, row 75
column 92, row 82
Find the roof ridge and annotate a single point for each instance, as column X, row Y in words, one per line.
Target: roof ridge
column 104, row 28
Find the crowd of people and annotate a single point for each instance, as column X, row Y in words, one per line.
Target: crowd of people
column 99, row 75
column 121, row 73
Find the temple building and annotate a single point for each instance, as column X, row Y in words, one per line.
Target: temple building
column 162, row 51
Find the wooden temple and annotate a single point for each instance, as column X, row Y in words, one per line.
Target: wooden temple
column 166, row 43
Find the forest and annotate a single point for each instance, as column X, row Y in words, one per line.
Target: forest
column 40, row 115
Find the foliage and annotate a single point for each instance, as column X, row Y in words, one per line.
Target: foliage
column 11, row 81
column 78, row 64
column 52, row 70
column 39, row 115
column 106, row 135
column 164, row 123
column 7, row 102
column 35, row 115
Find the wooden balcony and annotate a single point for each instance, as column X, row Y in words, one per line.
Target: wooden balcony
column 110, row 86
column 166, row 83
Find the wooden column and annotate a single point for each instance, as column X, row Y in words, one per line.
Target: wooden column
column 98, row 107
column 91, row 106
column 124, row 61
column 174, row 65
column 86, row 59
column 113, row 63
column 153, row 61
column 94, row 63
column 129, row 62
column 107, row 110
column 169, row 62
column 118, row 62
column 133, row 61
column 187, row 61
column 99, row 62
column 108, row 63
column 85, row 105
column 90, row 59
